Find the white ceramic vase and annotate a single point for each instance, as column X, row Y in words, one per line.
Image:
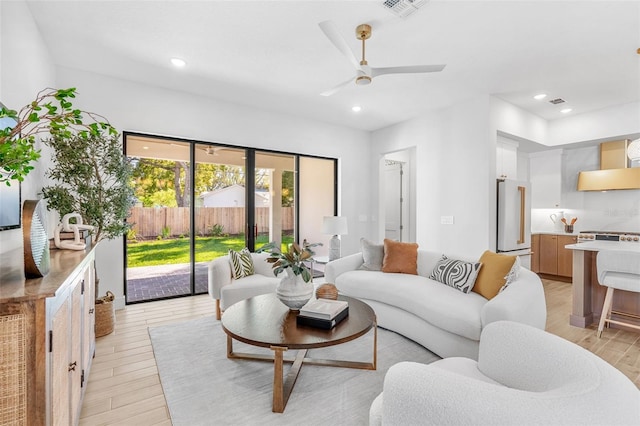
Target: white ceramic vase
column 293, row 291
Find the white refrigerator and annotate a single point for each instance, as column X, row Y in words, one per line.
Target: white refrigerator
column 514, row 219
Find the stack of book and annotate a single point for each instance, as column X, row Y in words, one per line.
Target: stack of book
column 323, row 313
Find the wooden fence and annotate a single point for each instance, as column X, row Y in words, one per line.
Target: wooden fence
column 149, row 222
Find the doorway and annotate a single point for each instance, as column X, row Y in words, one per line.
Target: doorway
column 397, row 192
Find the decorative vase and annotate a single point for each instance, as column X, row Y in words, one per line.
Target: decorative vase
column 293, row 291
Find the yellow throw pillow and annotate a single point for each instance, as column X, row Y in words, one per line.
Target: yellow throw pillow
column 400, row 257
column 493, row 273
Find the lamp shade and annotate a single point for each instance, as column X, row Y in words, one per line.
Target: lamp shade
column 334, row 225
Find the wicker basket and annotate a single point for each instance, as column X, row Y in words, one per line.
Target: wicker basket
column 105, row 315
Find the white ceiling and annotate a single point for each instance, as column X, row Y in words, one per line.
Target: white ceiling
column 272, row 54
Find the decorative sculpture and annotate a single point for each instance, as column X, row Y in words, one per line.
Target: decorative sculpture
column 65, row 226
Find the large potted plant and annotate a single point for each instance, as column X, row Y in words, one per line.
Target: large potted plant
column 92, row 177
column 52, row 113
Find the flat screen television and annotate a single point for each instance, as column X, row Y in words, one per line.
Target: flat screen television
column 10, row 197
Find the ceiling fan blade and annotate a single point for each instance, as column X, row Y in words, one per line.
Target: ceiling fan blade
column 336, row 88
column 331, row 31
column 406, row 70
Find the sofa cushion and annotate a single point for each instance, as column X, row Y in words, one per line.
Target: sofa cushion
column 434, row 302
column 372, row 254
column 241, row 263
column 458, row 274
column 493, row 274
column 400, row 257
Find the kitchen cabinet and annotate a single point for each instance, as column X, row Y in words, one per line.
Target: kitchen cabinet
column 47, row 324
column 565, row 256
column 550, row 256
column 545, row 174
column 506, row 159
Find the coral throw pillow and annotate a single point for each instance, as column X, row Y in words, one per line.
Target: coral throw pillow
column 493, row 274
column 400, row 257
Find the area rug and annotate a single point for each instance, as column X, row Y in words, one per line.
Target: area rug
column 203, row 387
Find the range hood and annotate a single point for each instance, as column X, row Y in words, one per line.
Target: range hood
column 614, row 172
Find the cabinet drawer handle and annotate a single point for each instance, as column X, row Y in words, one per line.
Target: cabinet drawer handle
column 72, row 366
column 91, row 310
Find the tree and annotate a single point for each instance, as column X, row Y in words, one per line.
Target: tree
column 155, row 178
column 288, row 193
column 93, row 178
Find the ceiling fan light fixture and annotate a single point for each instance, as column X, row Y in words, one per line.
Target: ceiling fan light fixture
column 363, row 80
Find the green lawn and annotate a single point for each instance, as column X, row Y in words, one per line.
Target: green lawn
column 171, row 251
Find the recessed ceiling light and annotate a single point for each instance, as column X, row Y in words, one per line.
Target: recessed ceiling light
column 540, row 96
column 566, row 110
column 178, row 62
column 356, row 108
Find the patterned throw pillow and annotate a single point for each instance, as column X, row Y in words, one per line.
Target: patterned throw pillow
column 456, row 273
column 241, row 263
column 513, row 274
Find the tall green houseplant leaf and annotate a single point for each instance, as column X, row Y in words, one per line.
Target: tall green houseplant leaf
column 93, row 178
column 51, row 112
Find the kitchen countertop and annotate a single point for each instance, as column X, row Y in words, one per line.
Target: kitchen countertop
column 575, row 234
column 604, row 245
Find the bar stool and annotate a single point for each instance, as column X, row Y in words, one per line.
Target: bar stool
column 617, row 270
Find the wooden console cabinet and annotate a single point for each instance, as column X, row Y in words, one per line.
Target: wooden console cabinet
column 550, row 257
column 47, row 338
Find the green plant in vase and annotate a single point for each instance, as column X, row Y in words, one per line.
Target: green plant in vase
column 91, row 177
column 294, row 258
column 50, row 113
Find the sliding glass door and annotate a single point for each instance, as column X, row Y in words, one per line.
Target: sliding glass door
column 158, row 251
column 196, row 201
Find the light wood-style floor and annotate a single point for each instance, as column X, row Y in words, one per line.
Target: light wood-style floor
column 124, row 386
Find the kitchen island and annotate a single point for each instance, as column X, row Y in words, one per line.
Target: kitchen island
column 588, row 294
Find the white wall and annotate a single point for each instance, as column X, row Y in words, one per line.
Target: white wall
column 605, row 124
column 136, row 107
column 25, row 69
column 452, row 178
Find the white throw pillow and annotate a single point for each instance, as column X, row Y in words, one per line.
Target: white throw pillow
column 373, row 254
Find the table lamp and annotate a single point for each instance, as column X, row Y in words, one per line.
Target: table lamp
column 334, row 225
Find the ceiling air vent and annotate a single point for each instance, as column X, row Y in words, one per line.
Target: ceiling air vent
column 557, row 101
column 403, row 8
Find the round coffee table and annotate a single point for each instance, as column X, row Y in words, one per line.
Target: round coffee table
column 264, row 321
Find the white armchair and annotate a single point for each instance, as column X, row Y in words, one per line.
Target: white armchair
column 523, row 376
column 226, row 291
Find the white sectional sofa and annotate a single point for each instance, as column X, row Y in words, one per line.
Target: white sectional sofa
column 441, row 318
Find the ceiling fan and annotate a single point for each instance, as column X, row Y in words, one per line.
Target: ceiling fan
column 365, row 73
column 211, row 150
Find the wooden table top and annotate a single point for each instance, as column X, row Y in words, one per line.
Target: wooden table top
column 264, row 321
